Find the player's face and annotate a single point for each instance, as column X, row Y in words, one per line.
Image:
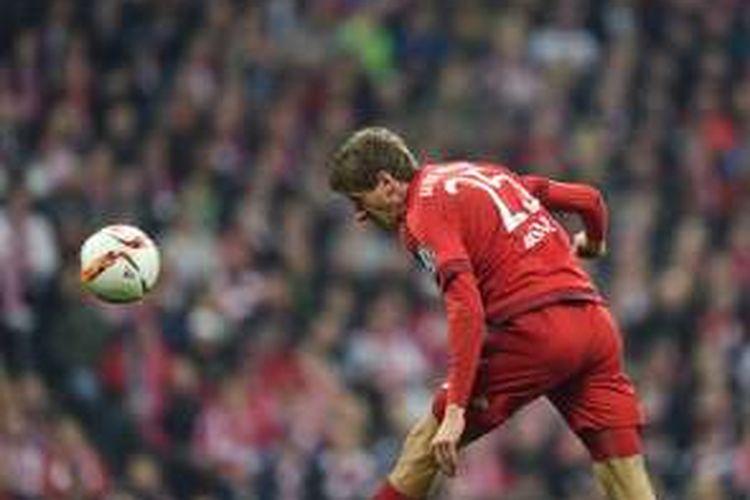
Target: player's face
column 382, row 205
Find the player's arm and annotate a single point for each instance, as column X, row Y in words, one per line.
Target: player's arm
column 465, row 313
column 581, row 199
column 433, row 444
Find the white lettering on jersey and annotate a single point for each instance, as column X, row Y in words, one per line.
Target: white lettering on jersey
column 513, row 202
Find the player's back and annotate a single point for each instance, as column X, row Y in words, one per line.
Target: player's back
column 520, row 255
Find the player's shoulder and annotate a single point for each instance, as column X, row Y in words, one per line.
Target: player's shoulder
column 434, row 172
column 429, row 189
column 438, row 181
column 435, row 192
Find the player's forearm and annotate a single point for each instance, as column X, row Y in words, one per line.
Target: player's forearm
column 465, row 330
column 591, row 208
column 582, row 199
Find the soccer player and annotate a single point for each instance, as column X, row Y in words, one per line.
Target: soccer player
column 524, row 319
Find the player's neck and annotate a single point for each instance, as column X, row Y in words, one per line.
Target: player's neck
column 402, row 197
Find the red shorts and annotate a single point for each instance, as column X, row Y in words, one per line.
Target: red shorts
column 570, row 352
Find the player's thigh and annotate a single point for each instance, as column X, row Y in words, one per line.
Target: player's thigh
column 416, row 466
column 484, row 412
column 600, row 396
column 598, row 402
column 528, row 357
column 491, row 403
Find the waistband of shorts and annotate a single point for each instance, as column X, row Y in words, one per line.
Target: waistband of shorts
column 587, row 295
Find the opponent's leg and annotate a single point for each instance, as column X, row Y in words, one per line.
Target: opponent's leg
column 624, row 478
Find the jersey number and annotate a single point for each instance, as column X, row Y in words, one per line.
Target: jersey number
column 513, row 202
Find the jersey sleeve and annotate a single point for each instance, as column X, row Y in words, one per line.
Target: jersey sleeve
column 440, row 233
column 582, row 199
column 465, row 313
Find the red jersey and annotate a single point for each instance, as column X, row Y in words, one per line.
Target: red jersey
column 495, row 249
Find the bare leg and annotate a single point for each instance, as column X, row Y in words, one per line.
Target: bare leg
column 416, row 467
column 624, row 478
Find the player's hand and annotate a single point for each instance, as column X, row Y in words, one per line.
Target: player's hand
column 445, row 443
column 588, row 249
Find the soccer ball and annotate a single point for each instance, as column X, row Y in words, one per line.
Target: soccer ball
column 119, row 263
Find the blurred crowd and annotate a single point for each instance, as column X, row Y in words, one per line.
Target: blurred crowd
column 285, row 352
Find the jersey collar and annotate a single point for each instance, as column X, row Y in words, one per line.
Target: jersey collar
column 413, row 188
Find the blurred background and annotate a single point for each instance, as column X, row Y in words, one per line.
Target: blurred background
column 285, row 352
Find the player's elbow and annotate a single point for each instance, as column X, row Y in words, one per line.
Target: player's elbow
column 462, row 289
column 536, row 186
column 594, row 214
column 600, row 203
column 598, row 198
column 595, row 202
column 464, row 302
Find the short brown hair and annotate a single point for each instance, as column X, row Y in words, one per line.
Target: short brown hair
column 354, row 166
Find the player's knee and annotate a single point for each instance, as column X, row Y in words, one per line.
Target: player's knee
column 416, row 460
column 607, row 444
column 413, row 481
column 417, row 443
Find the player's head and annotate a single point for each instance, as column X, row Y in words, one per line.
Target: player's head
column 373, row 169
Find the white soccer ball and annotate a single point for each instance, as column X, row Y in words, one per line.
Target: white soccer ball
column 119, row 263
